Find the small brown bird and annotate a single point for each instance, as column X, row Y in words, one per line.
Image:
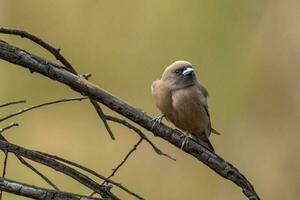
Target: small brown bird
column 183, row 101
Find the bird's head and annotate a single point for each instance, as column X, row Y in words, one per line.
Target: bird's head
column 179, row 74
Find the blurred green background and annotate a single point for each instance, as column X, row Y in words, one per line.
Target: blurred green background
column 245, row 52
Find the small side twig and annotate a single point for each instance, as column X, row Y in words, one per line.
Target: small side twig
column 102, row 117
column 41, row 105
column 140, row 133
column 12, row 103
column 114, row 170
column 8, row 127
column 24, row 162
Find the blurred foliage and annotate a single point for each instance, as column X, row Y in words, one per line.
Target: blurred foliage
column 245, row 52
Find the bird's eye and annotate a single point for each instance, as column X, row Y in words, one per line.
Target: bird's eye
column 177, row 71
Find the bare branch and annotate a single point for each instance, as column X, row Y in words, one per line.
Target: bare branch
column 45, row 45
column 35, row 192
column 4, row 170
column 140, row 133
column 24, row 162
column 8, row 127
column 40, row 158
column 114, row 170
column 12, row 103
column 79, row 84
column 102, row 117
column 56, row 53
column 92, row 172
column 41, row 105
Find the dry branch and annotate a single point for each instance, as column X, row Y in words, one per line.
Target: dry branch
column 12, row 103
column 36, row 64
column 60, row 167
column 38, row 192
column 56, row 53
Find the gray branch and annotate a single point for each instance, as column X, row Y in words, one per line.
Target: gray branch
column 40, row 65
column 60, row 167
column 38, row 192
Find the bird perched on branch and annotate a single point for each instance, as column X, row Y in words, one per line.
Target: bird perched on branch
column 183, row 101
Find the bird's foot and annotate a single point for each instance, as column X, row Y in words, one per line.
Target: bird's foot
column 157, row 120
column 185, row 141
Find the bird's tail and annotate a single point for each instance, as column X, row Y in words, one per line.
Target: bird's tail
column 205, row 142
column 215, row 131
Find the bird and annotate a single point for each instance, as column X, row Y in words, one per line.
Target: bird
column 182, row 100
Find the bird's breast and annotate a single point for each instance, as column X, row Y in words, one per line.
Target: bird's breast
column 188, row 112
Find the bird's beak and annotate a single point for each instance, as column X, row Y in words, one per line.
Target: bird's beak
column 187, row 71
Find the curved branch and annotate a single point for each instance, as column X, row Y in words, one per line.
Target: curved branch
column 36, row 64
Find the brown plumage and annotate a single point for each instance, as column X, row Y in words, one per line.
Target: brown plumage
column 183, row 101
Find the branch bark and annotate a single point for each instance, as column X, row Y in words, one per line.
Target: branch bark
column 38, row 192
column 36, row 64
column 50, row 162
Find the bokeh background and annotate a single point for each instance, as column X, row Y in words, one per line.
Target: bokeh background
column 245, row 52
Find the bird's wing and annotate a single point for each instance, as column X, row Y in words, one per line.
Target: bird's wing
column 204, row 91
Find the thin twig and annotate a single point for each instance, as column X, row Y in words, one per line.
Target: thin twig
column 41, row 105
column 45, row 45
column 114, row 170
column 102, row 117
column 140, row 133
column 119, row 185
column 8, row 127
column 24, row 162
column 12, row 102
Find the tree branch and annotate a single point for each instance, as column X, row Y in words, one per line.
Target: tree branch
column 36, row 64
column 41, row 105
column 12, row 103
column 119, row 185
column 56, row 53
column 40, row 158
column 35, row 192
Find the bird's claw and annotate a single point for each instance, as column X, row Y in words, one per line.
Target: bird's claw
column 185, row 141
column 157, row 120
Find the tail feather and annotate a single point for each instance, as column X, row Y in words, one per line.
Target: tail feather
column 215, row 131
column 205, row 142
